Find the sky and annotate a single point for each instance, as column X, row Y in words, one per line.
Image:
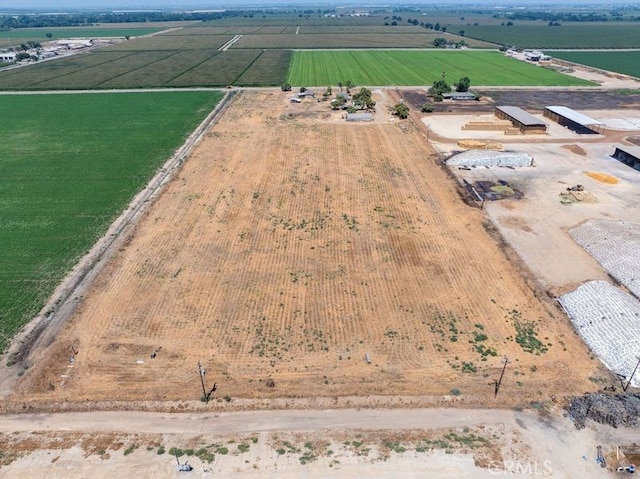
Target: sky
column 8, row 5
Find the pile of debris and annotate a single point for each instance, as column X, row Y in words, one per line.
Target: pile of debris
column 614, row 410
column 487, row 158
column 576, row 194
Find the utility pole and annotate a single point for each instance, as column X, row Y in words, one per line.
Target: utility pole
column 625, row 387
column 505, row 361
column 204, row 391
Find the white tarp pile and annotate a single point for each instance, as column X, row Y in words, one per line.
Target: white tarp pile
column 471, row 158
column 616, row 246
column 608, row 320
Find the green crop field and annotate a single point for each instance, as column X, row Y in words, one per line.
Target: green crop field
column 570, row 35
column 70, row 164
column 627, row 62
column 183, row 60
column 416, row 39
column 402, row 67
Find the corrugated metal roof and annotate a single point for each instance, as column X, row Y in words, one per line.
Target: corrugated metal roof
column 631, row 150
column 573, row 115
column 522, row 116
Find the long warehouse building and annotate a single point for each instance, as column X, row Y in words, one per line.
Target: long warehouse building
column 573, row 120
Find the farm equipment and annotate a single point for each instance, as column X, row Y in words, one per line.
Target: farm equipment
column 184, row 467
column 630, row 469
column 600, row 458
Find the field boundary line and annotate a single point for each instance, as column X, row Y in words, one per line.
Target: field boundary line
column 41, row 331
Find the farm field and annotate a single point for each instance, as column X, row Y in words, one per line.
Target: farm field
column 568, row 35
column 627, row 62
column 288, row 247
column 151, row 62
column 17, row 36
column 417, row 39
column 70, row 164
column 393, row 67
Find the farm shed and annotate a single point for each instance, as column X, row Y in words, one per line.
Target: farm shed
column 573, row 120
column 520, row 119
column 359, row 117
column 7, row 57
column 629, row 155
column 459, row 95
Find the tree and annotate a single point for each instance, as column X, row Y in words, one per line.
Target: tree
column 436, row 26
column 463, row 84
column 338, row 102
column 362, row 99
column 440, row 42
column 461, row 33
column 401, row 110
column 427, row 108
column 340, row 84
column 49, row 36
column 329, row 91
column 303, row 89
column 22, row 56
column 439, row 87
column 285, row 87
column 348, row 85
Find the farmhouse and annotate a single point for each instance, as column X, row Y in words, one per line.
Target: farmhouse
column 459, row 95
column 306, row 93
column 629, row 155
column 573, row 120
column 7, row 57
column 359, row 117
column 520, row 119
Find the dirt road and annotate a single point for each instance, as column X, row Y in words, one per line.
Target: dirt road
column 313, row 443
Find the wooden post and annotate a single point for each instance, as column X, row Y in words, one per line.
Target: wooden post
column 624, row 388
column 204, row 391
column 505, row 361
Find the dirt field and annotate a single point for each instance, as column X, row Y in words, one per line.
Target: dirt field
column 289, row 247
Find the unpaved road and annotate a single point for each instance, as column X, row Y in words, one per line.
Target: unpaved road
column 230, row 423
column 521, row 444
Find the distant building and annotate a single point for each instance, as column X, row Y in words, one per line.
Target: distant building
column 7, row 57
column 306, row 94
column 459, row 95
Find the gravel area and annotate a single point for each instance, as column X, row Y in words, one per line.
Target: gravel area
column 616, row 246
column 608, row 320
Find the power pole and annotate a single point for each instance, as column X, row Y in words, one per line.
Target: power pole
column 625, row 387
column 204, row 391
column 505, row 361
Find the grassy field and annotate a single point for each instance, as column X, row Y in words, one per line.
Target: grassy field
column 617, row 61
column 395, row 67
column 70, row 163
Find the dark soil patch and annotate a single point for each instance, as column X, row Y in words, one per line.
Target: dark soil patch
column 529, row 100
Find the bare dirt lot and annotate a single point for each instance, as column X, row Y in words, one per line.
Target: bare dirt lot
column 291, row 246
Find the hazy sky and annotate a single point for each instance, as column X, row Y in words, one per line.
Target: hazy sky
column 212, row 4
